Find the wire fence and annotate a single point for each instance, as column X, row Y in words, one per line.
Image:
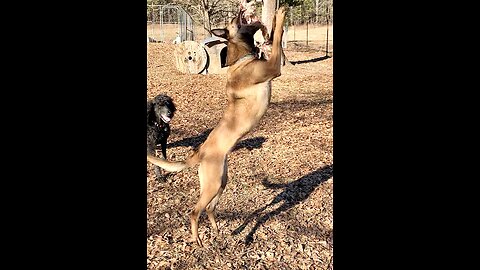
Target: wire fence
column 172, row 24
column 311, row 29
column 169, row 23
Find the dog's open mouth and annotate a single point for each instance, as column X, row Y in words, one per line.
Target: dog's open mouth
column 248, row 12
column 165, row 118
column 248, row 16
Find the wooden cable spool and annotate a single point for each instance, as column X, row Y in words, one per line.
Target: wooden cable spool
column 190, row 57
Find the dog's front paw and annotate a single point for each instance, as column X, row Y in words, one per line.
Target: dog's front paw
column 169, row 177
column 280, row 16
column 160, row 175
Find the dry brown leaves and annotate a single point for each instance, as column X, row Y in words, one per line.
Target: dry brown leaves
column 276, row 211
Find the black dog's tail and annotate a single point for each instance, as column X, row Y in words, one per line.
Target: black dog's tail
column 175, row 166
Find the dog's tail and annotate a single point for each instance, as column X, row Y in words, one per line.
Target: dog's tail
column 175, row 166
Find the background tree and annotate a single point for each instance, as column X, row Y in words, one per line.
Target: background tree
column 215, row 12
column 209, row 12
column 268, row 12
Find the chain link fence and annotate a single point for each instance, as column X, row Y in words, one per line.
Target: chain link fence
column 311, row 29
column 306, row 28
column 169, row 23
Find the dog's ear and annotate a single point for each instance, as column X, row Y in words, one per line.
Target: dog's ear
column 223, row 33
column 151, row 117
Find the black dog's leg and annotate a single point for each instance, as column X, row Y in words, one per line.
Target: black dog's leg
column 164, row 174
column 151, row 149
column 164, row 148
column 159, row 174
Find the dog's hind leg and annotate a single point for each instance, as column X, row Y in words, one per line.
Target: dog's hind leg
column 210, row 174
column 210, row 209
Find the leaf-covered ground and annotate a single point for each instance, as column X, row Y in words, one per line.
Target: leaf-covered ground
column 276, row 211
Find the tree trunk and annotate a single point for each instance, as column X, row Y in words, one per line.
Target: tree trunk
column 206, row 17
column 268, row 11
column 285, row 60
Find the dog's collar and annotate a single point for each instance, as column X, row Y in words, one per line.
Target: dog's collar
column 245, row 57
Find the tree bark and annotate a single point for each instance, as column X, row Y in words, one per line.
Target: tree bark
column 206, row 17
column 268, row 12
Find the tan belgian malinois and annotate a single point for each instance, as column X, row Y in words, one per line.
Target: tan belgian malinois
column 248, row 93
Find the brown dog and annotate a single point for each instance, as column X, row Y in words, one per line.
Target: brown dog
column 248, row 92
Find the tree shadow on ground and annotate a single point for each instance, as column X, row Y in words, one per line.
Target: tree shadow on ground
column 282, row 110
column 310, row 60
column 293, row 193
column 196, row 141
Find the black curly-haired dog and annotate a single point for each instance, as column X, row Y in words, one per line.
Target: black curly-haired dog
column 160, row 111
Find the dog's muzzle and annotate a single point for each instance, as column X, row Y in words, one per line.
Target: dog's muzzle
column 165, row 118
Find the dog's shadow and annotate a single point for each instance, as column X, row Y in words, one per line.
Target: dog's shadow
column 293, row 193
column 196, row 141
